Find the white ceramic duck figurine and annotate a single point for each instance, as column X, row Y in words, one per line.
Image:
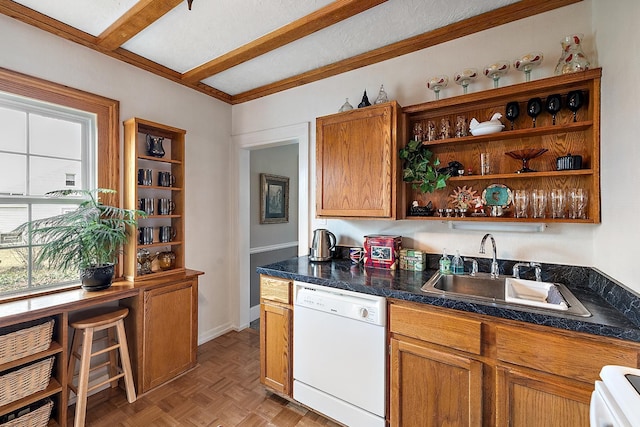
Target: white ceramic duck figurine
column 495, row 121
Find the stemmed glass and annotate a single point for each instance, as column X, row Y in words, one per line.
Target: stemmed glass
column 575, row 99
column 525, row 155
column 553, row 105
column 437, row 83
column 496, row 70
column 464, row 77
column 534, row 108
column 512, row 112
column 527, row 63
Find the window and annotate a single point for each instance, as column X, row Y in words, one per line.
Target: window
column 52, row 138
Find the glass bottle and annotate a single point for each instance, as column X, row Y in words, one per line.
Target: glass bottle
column 573, row 58
column 365, row 101
column 346, row 106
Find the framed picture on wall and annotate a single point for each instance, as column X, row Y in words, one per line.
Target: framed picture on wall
column 274, row 199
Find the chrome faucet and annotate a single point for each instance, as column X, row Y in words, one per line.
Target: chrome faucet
column 538, row 269
column 494, row 262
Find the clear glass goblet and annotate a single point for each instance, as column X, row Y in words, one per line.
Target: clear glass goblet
column 437, row 83
column 464, row 77
column 496, row 70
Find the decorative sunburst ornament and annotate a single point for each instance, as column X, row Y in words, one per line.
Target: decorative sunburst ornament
column 462, row 197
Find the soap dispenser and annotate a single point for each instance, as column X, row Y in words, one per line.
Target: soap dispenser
column 445, row 263
column 457, row 264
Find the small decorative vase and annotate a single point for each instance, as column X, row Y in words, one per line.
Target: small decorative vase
column 573, row 58
column 154, row 146
column 365, row 101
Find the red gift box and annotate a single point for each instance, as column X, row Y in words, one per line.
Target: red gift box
column 382, row 251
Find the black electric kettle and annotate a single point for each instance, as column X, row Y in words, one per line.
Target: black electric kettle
column 322, row 245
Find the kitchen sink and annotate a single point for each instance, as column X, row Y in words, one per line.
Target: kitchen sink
column 508, row 291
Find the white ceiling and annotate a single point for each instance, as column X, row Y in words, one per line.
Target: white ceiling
column 184, row 39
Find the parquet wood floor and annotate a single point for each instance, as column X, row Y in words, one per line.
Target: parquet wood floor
column 223, row 390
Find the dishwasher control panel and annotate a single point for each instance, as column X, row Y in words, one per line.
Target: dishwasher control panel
column 354, row 305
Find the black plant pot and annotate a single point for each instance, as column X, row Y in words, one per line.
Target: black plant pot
column 97, row 278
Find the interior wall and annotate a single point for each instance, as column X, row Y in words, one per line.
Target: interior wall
column 404, row 80
column 618, row 43
column 28, row 50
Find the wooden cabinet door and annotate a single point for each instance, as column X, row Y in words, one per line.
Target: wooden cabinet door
column 276, row 347
column 356, row 163
column 170, row 332
column 433, row 388
column 531, row 399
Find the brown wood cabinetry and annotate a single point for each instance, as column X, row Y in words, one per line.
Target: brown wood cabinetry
column 521, row 374
column 356, row 162
column 276, row 334
column 163, row 330
column 172, row 162
column 566, row 136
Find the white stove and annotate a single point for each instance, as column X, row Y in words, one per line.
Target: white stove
column 616, row 400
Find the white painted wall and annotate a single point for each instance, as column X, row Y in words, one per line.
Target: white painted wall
column 617, row 34
column 404, row 80
column 207, row 121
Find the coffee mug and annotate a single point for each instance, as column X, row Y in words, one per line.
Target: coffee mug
column 165, row 179
column 166, row 206
column 166, row 233
column 146, row 205
column 145, row 235
column 144, row 176
column 356, row 255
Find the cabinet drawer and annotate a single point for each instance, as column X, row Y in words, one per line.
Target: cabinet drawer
column 437, row 328
column 571, row 357
column 275, row 289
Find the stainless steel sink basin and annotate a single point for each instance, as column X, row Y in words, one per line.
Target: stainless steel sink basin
column 482, row 287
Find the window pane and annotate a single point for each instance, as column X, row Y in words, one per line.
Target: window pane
column 11, row 216
column 51, row 174
column 13, row 270
column 14, row 130
column 13, row 174
column 55, row 137
column 45, row 211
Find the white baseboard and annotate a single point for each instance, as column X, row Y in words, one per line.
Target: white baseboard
column 205, row 336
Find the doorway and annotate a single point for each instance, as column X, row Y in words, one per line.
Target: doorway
column 240, row 209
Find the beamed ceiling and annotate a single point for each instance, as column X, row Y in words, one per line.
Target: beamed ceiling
column 239, row 50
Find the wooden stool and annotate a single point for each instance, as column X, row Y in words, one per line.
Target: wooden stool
column 110, row 320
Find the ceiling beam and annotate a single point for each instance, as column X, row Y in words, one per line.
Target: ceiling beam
column 136, row 19
column 503, row 15
column 325, row 17
column 60, row 29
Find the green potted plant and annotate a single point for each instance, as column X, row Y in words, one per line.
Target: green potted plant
column 89, row 238
column 420, row 169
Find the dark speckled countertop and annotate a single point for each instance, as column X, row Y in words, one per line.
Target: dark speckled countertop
column 615, row 310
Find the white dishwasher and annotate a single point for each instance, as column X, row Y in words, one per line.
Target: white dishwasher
column 339, row 358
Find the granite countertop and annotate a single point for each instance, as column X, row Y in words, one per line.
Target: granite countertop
column 606, row 320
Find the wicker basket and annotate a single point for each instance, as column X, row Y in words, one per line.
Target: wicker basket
column 25, row 381
column 36, row 418
column 24, row 342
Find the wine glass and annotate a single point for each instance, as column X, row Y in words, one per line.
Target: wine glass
column 527, row 63
column 534, row 108
column 512, row 112
column 464, row 77
column 437, row 83
column 553, row 105
column 496, row 70
column 575, row 99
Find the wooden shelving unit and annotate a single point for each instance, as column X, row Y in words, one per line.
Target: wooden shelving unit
column 581, row 137
column 135, row 158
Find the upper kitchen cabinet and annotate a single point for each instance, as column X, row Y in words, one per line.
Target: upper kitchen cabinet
column 569, row 141
column 356, row 162
column 154, row 183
